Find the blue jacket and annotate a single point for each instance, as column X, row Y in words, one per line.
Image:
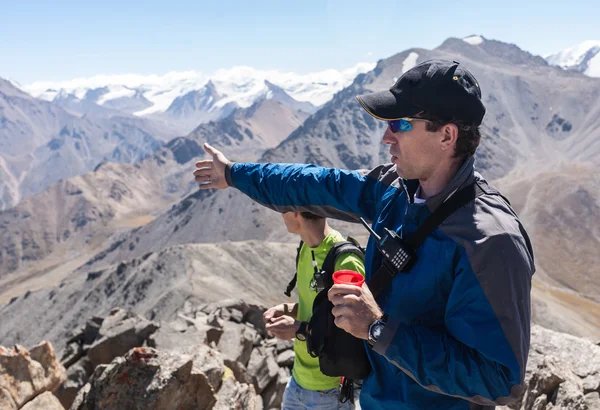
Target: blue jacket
column 457, row 336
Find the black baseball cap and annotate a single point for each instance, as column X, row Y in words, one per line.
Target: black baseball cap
column 442, row 89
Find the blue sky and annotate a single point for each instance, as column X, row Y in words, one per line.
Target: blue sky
column 60, row 40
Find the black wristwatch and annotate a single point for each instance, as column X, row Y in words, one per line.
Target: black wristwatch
column 302, row 331
column 375, row 330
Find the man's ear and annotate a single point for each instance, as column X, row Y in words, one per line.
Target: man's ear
column 299, row 221
column 449, row 136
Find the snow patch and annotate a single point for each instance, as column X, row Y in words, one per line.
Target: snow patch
column 409, row 62
column 473, row 40
column 575, row 55
column 114, row 93
column 593, row 69
column 48, row 95
column 14, row 83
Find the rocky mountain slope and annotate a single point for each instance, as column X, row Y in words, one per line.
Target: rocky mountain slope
column 218, row 356
column 540, row 119
column 115, row 196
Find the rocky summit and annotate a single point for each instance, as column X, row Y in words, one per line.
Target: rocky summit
column 218, row 356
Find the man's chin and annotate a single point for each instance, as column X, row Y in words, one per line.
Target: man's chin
column 400, row 171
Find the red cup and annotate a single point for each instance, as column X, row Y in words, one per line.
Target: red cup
column 348, row 277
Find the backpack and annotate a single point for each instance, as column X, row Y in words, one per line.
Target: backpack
column 350, row 245
column 339, row 353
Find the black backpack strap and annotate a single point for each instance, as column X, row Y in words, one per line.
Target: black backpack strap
column 386, row 272
column 357, row 244
column 337, row 250
column 292, row 284
column 456, row 201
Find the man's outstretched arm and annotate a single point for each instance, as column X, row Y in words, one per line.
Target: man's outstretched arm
column 327, row 192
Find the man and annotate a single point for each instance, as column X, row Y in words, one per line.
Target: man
column 308, row 388
column 453, row 332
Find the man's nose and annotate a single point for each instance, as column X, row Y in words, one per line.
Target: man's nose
column 388, row 136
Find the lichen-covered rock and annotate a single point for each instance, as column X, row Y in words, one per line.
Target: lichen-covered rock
column 151, row 380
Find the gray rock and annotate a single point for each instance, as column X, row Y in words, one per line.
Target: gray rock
column 273, row 394
column 189, row 321
column 234, row 395
column 188, row 308
column 570, row 396
column 71, row 354
column 251, row 314
column 45, row 401
column 76, row 335
column 254, row 316
column 270, row 342
column 263, row 368
column 209, row 362
column 214, row 320
column 240, row 371
column 77, row 376
column 92, row 329
column 209, row 333
column 199, row 314
column 591, row 383
column 167, row 337
column 284, row 345
column 544, row 381
column 592, row 400
column 224, row 314
column 179, row 324
column 236, row 315
column 286, row 358
column 120, row 332
column 560, row 367
column 236, row 342
column 540, row 403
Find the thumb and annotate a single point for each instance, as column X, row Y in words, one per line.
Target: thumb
column 210, row 150
column 268, row 315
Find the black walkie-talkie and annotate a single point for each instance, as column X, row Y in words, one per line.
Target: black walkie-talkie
column 393, row 248
column 317, row 283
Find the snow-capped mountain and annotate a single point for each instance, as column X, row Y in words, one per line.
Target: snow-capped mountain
column 238, row 86
column 42, row 142
column 69, row 126
column 583, row 57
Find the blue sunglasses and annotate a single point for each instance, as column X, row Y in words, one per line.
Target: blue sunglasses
column 403, row 124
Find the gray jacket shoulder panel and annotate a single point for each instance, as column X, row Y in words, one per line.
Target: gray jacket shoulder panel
column 501, row 257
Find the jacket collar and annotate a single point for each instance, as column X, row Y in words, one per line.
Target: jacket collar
column 464, row 176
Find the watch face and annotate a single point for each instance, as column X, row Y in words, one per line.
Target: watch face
column 301, row 333
column 377, row 331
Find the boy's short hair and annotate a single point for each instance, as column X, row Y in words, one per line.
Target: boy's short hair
column 311, row 216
